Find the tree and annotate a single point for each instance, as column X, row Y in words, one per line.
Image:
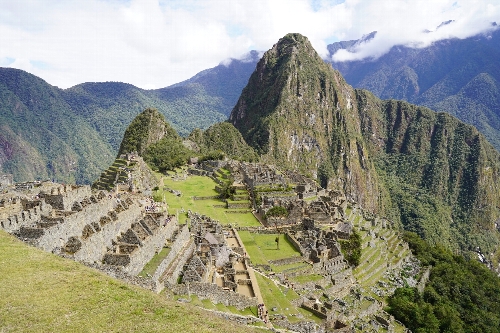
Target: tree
column 351, row 248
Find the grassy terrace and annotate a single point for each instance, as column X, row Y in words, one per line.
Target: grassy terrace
column 281, row 298
column 153, row 264
column 42, row 292
column 262, row 247
column 201, row 187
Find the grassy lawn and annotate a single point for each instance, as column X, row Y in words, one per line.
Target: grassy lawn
column 42, row 292
column 201, row 187
column 153, row 264
column 262, row 247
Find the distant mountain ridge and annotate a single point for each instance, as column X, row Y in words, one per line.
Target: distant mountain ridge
column 425, row 76
column 71, row 135
column 458, row 76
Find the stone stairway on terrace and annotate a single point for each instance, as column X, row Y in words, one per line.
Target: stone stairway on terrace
column 116, row 173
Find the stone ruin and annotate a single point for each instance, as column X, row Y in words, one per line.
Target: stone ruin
column 321, row 248
column 215, row 265
column 6, row 180
column 88, row 226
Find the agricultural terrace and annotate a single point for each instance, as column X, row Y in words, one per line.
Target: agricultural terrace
column 190, row 186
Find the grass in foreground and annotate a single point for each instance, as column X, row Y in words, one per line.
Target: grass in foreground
column 41, row 292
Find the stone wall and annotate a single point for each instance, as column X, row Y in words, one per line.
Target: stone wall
column 295, row 243
column 215, row 294
column 179, row 244
column 25, row 218
column 73, row 225
column 151, row 245
column 174, row 271
column 94, row 247
column 64, row 196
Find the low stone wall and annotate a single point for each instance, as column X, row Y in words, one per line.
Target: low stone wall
column 207, row 198
column 215, row 294
column 295, row 243
column 287, row 261
column 242, row 320
column 234, row 205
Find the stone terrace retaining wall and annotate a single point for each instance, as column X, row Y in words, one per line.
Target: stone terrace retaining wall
column 178, row 265
column 180, row 242
column 151, row 245
column 216, row 294
column 94, row 247
column 57, row 235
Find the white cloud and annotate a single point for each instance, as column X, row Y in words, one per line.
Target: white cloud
column 406, row 22
column 152, row 43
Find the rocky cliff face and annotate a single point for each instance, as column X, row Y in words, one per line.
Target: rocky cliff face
column 435, row 174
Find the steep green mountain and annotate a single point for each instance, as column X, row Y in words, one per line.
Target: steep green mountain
column 458, row 76
column 41, row 137
column 429, row 171
column 222, row 138
column 298, row 113
column 146, row 129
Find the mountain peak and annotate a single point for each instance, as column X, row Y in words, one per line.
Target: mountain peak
column 146, row 129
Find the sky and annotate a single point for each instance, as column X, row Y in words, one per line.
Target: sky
column 155, row 43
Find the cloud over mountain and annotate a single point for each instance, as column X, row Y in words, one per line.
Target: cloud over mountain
column 155, row 43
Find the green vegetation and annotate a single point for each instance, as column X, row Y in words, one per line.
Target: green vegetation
column 282, row 298
column 262, row 247
column 42, row 292
column 148, row 128
column 276, row 211
column 457, row 76
column 351, row 248
column 223, row 139
column 41, row 137
column 166, row 154
column 198, row 186
column 460, row 296
column 152, row 265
